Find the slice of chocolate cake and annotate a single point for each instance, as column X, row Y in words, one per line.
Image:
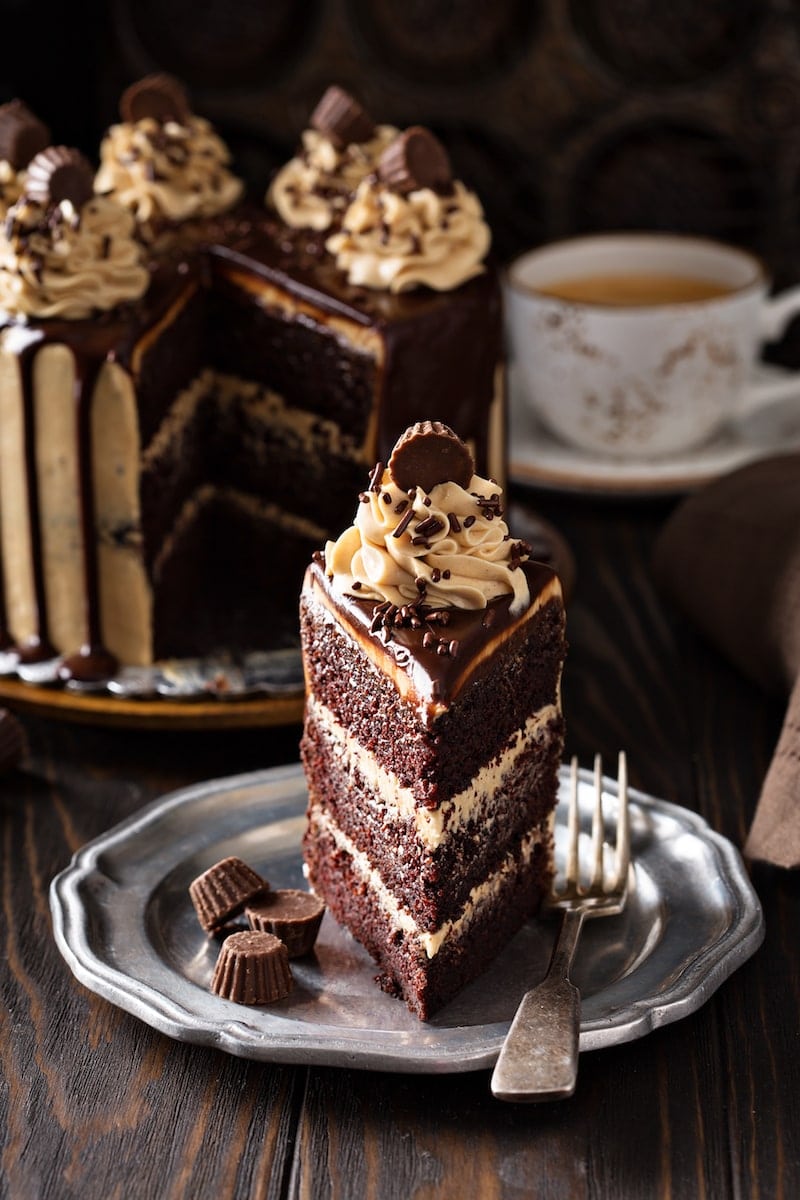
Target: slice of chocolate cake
column 433, row 649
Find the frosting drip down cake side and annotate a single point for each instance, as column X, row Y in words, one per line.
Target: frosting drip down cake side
column 433, row 648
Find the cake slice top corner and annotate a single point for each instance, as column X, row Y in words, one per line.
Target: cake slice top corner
column 428, row 581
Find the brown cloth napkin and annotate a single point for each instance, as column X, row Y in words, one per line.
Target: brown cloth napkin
column 729, row 556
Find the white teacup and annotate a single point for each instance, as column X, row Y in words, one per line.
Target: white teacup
column 653, row 375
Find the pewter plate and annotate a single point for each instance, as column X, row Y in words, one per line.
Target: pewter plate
column 125, row 925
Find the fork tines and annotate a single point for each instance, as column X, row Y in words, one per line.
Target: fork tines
column 599, row 886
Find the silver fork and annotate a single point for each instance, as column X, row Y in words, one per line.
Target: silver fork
column 539, row 1058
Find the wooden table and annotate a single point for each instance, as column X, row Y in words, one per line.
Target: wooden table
column 95, row 1104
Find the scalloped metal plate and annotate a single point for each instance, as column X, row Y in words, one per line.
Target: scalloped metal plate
column 125, row 925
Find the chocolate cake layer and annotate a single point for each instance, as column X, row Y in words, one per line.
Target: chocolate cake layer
column 415, row 850
column 434, row 754
column 204, row 601
column 230, row 433
column 426, row 982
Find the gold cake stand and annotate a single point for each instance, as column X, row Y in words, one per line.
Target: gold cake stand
column 175, row 715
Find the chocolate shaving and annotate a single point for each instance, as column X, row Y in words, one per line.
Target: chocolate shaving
column 415, row 159
column 160, row 97
column 59, row 174
column 341, row 118
column 22, row 135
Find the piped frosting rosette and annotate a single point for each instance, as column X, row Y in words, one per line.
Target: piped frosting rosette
column 444, row 544
column 64, row 252
column 163, row 163
column 342, row 146
column 412, row 224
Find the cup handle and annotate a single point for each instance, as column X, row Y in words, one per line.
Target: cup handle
column 777, row 312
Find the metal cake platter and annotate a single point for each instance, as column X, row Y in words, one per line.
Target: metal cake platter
column 124, row 922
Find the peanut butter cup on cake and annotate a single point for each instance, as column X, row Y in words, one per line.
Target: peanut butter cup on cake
column 433, row 647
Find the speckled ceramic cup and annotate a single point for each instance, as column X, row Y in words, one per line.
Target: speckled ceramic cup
column 643, row 380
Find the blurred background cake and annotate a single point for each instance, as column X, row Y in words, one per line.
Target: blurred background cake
column 193, row 386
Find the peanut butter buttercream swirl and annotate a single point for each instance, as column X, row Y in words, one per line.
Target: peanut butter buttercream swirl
column 12, row 185
column 167, row 172
column 397, row 242
column 58, row 261
column 449, row 547
column 314, row 189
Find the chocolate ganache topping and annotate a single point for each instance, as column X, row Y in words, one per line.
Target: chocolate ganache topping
column 426, row 546
column 342, row 147
column 162, row 162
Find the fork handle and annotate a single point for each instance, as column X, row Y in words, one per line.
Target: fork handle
column 539, row 1057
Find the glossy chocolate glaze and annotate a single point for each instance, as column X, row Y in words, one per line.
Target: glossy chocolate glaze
column 436, row 675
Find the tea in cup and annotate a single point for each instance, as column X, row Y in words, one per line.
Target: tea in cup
column 642, row 345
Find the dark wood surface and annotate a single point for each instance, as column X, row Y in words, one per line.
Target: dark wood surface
column 95, row 1104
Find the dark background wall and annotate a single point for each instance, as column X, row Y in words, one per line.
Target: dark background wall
column 565, row 115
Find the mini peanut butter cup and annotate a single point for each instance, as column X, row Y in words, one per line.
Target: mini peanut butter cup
column 159, row 96
column 429, row 453
column 341, row 118
column 292, row 915
column 415, row 159
column 57, row 174
column 252, row 968
column 221, row 892
column 13, row 743
column 22, row 135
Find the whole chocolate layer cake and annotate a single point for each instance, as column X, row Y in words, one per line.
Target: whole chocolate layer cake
column 191, row 386
column 433, row 649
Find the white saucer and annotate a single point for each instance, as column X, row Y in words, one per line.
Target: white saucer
column 538, row 458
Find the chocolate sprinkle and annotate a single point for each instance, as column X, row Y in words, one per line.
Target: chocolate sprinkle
column 404, row 523
column 375, row 478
